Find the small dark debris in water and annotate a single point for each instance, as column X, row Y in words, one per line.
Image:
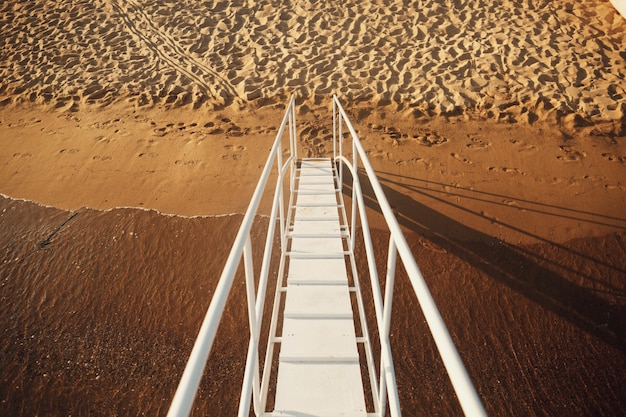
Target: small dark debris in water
column 47, row 240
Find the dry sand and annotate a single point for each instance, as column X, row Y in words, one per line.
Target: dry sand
column 172, row 105
column 498, row 130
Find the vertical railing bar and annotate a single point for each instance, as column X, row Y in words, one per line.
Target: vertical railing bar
column 263, row 280
column 254, row 320
column 292, row 183
column 281, row 202
column 294, row 151
column 267, row 364
column 340, row 133
column 390, row 377
column 274, row 319
column 387, row 307
column 369, row 354
column 354, row 205
column 269, row 353
column 247, row 388
column 334, row 130
column 369, row 252
column 291, row 125
column 279, row 156
column 244, row 404
column 267, row 255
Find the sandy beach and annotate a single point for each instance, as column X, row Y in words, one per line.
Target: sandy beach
column 132, row 134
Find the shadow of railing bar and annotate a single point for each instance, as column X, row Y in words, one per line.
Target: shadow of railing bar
column 543, row 286
column 508, row 197
column 423, row 191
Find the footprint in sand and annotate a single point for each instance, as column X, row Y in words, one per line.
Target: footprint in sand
column 460, row 158
column 69, row 151
column 25, row 123
column 215, row 131
column 571, row 154
column 415, row 161
column 379, row 154
column 394, row 133
column 160, row 132
column 234, row 148
column 188, row 163
column 148, row 155
column 595, row 178
column 477, row 143
column 429, row 138
column 233, row 152
column 614, row 158
column 22, row 155
column 523, row 146
column 375, row 127
column 171, row 127
column 101, row 158
column 144, row 119
column 507, row 170
column 235, row 131
column 106, row 123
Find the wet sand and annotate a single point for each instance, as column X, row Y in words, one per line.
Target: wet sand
column 100, row 310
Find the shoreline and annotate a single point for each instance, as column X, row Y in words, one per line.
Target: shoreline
column 521, row 183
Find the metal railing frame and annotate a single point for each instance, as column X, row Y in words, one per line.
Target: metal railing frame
column 387, row 388
column 254, row 388
column 242, row 248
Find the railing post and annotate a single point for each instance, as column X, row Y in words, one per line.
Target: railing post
column 292, row 132
column 385, row 367
column 340, row 139
column 281, row 201
column 252, row 362
column 356, row 173
column 335, row 130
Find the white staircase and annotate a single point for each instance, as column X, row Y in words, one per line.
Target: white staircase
column 324, row 351
column 319, row 371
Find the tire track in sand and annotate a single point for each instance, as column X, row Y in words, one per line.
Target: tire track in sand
column 173, row 54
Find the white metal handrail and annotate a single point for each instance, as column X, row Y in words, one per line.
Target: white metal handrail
column 468, row 398
column 255, row 388
column 192, row 375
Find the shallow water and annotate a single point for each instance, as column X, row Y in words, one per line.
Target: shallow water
column 99, row 310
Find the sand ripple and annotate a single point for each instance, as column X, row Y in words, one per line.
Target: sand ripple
column 508, row 60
